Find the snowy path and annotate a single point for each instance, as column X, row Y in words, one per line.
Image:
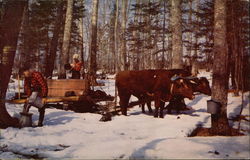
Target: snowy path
column 77, row 136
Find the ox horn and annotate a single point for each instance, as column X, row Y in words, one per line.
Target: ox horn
column 150, row 94
column 193, row 82
column 192, row 79
column 175, row 78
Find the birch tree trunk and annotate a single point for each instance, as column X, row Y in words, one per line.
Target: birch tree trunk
column 93, row 45
column 220, row 125
column 9, row 30
column 194, row 70
column 163, row 36
column 81, row 32
column 190, row 35
column 66, row 38
column 137, row 36
column 176, row 34
column 123, row 28
column 117, row 56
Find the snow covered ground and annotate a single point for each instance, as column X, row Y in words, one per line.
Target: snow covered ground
column 69, row 135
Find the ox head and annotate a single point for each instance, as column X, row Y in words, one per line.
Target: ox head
column 201, row 85
column 181, row 86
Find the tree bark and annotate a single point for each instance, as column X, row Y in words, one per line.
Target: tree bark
column 176, row 34
column 66, row 38
column 112, row 39
column 163, row 35
column 123, row 30
column 54, row 42
column 26, row 38
column 81, row 30
column 220, row 125
column 190, row 35
column 136, row 34
column 9, row 30
column 194, row 70
column 116, row 38
column 93, row 45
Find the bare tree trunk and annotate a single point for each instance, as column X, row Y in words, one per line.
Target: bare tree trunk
column 137, row 36
column 66, row 38
column 81, row 31
column 9, row 30
column 235, row 46
column 93, row 45
column 220, row 125
column 194, row 70
column 54, row 42
column 112, row 39
column 170, row 56
column 82, row 40
column 163, row 35
column 123, row 30
column 117, row 56
column 176, row 34
column 190, row 35
column 26, row 31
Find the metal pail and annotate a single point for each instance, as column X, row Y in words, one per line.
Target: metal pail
column 25, row 120
column 213, row 107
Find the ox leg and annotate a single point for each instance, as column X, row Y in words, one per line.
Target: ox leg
column 156, row 109
column 159, row 104
column 149, row 107
column 143, row 108
column 124, row 103
column 161, row 109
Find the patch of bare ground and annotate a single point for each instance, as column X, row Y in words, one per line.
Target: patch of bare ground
column 205, row 132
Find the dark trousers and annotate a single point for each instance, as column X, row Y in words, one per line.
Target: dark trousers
column 76, row 74
column 41, row 112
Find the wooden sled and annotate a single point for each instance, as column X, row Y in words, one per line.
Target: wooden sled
column 58, row 88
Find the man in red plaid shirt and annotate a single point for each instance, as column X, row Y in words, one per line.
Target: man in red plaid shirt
column 35, row 86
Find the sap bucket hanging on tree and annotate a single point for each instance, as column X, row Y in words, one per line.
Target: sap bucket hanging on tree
column 213, row 107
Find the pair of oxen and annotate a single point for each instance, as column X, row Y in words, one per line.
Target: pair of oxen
column 160, row 86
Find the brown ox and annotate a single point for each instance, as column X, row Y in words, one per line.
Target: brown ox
column 172, row 72
column 155, row 83
column 200, row 85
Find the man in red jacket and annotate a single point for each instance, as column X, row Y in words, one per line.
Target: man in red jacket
column 35, row 86
column 76, row 67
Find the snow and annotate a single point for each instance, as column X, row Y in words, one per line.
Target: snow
column 69, row 135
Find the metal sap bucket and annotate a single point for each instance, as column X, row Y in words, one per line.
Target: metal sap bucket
column 25, row 120
column 213, row 107
column 35, row 100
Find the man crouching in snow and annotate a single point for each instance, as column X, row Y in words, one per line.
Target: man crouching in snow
column 35, row 86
